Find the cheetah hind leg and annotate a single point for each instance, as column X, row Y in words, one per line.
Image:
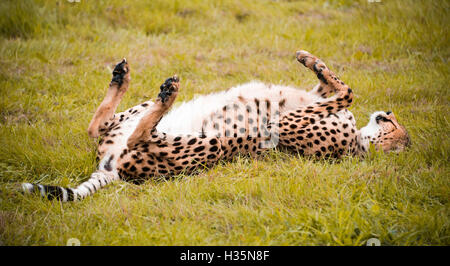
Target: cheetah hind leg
column 166, row 97
column 117, row 88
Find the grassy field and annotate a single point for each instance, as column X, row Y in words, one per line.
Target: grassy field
column 55, row 65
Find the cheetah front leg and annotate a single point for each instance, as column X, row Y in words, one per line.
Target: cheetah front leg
column 324, row 89
column 117, row 88
column 318, row 110
column 166, row 97
column 297, row 125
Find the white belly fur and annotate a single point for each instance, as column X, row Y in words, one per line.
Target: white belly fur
column 187, row 118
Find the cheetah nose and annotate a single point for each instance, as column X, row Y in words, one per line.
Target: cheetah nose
column 389, row 112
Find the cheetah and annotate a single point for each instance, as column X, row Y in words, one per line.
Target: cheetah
column 149, row 141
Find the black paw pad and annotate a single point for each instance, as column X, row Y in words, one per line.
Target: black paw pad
column 119, row 72
column 167, row 88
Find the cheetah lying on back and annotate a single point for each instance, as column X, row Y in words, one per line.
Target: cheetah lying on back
column 144, row 142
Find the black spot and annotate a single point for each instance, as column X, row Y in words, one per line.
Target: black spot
column 108, row 166
column 192, row 141
column 257, row 103
column 321, row 77
column 199, row 148
column 213, row 149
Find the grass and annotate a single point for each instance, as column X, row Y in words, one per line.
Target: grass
column 56, row 59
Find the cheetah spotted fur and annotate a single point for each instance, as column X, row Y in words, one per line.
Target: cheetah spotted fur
column 148, row 141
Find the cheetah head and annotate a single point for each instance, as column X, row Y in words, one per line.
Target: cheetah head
column 385, row 132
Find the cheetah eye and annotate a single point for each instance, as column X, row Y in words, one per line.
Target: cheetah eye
column 382, row 118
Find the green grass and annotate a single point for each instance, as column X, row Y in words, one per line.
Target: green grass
column 55, row 64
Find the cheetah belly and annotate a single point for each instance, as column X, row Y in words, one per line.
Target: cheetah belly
column 188, row 117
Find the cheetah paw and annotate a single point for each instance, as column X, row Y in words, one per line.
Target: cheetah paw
column 121, row 72
column 169, row 87
column 310, row 61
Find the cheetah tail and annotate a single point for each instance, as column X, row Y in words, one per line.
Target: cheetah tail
column 98, row 180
